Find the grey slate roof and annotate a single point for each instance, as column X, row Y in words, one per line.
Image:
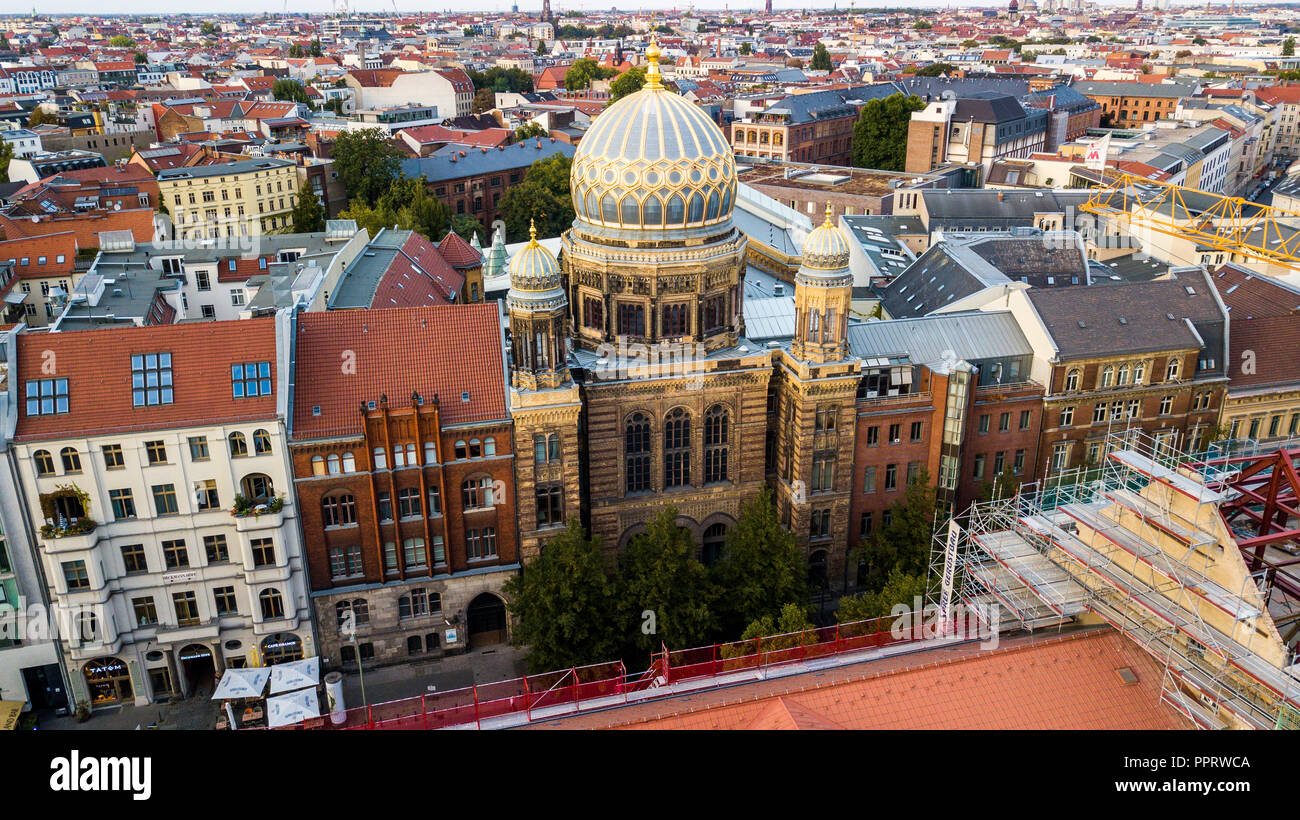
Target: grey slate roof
column 935, row 340
column 1137, row 317
column 440, row 166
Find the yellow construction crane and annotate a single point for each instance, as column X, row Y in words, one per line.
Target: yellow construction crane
column 1226, row 223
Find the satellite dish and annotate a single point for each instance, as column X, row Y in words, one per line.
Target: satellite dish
column 35, row 219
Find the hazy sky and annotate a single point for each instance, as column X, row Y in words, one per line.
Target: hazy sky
column 256, row 6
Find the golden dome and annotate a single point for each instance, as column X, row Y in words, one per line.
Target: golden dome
column 534, row 273
column 826, row 248
column 653, row 160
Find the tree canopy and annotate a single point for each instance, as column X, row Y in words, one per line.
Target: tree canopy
column 501, row 79
column 565, row 602
column 543, row 196
column 366, row 162
column 291, row 90
column 761, row 568
column 899, row 588
column 661, row 575
column 902, row 545
column 529, row 129
column 880, row 134
column 629, row 82
column 581, row 74
column 308, row 216
column 6, row 154
column 406, row 204
column 821, row 58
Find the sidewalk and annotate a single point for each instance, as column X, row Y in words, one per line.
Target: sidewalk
column 479, row 666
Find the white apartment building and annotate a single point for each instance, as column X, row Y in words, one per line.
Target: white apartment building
column 153, row 464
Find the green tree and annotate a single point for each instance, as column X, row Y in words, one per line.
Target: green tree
column 899, row 588
column 543, row 196
column 366, row 162
column 485, row 99
column 821, row 58
column 904, row 544
column 581, row 74
column 1199, row 41
column 308, row 215
column 936, row 70
column 541, row 48
column 140, row 59
column 497, row 78
column 880, row 134
column 529, row 129
column 6, row 154
column 314, row 50
column 923, row 25
column 661, row 574
column 761, row 568
column 745, row 49
column 296, row 52
column 786, row 629
column 1288, row 47
column 206, row 28
column 121, row 41
column 40, row 116
column 407, row 205
column 629, row 82
column 291, row 90
column 1003, row 485
column 565, row 602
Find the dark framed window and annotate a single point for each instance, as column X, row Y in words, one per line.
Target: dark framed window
column 593, row 313
column 133, row 558
column 272, row 603
column 716, row 438
column 47, row 397
column 164, row 499
column 631, row 319
column 263, row 552
column 215, row 547
column 151, row 379
column 123, row 504
column 673, row 322
column 476, row 493
column 636, row 451
column 550, row 505
column 74, row 573
column 677, row 448
column 175, row 556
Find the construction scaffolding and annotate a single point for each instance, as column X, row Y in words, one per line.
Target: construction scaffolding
column 1141, row 544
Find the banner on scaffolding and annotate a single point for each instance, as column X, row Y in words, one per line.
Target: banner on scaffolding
column 949, row 568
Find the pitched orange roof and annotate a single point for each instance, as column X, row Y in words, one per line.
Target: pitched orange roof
column 1036, row 682
column 458, row 252
column 442, row 350
column 97, row 365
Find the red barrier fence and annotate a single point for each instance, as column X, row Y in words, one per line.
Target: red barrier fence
column 601, row 682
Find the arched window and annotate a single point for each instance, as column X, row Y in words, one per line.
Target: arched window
column 677, row 448
column 553, row 447
column 71, row 460
column 261, row 442
column 257, row 488
column 1072, row 380
column 1139, row 372
column 814, row 320
column 1108, row 376
column 361, row 612
column 475, row 448
column 1171, row 371
column 715, row 537
column 333, row 462
column 460, row 449
column 716, row 422
column 636, row 452
column 44, row 464
column 272, row 603
column 349, row 463
column 1123, row 375
column 674, row 320
column 489, row 446
column 381, row 458
column 317, row 465
column 430, row 452
column 338, row 510
column 238, row 445
column 414, row 645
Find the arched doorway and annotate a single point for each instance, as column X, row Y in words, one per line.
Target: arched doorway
column 198, row 668
column 281, row 647
column 108, row 681
column 486, row 617
column 715, row 538
column 817, row 577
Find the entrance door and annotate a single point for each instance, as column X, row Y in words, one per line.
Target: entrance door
column 487, row 621
column 45, row 687
column 198, row 668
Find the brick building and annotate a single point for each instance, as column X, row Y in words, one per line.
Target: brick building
column 404, row 467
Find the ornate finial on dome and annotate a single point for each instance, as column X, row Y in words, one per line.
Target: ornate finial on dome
column 829, row 214
column 653, row 79
column 532, row 231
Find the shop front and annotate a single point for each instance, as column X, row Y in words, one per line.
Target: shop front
column 108, row 682
column 281, row 647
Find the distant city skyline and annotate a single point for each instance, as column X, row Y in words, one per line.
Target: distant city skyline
column 87, row 7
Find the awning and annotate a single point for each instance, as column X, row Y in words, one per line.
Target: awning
column 295, row 707
column 242, row 683
column 16, row 297
column 291, row 675
column 10, row 710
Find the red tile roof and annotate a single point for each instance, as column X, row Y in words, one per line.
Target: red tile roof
column 1038, row 682
column 444, row 350
column 458, row 252
column 97, row 365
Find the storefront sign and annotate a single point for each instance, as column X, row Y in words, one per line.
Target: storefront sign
column 180, row 577
column 451, row 636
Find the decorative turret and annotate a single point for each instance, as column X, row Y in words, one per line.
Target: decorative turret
column 538, row 308
column 822, row 294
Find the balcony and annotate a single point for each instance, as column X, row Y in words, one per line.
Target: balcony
column 69, row 536
column 250, row 516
